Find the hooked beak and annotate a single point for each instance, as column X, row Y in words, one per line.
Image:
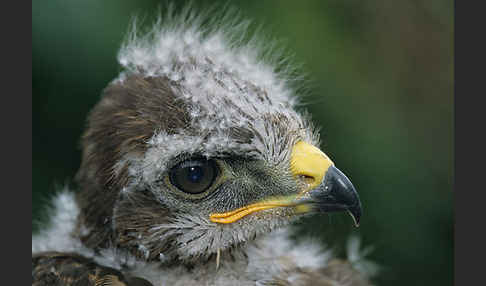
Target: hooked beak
column 335, row 193
column 328, row 189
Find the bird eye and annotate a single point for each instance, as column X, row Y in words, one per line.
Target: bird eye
column 194, row 176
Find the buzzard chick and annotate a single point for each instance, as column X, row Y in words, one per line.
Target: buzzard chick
column 194, row 162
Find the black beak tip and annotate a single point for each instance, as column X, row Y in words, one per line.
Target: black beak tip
column 337, row 193
column 355, row 213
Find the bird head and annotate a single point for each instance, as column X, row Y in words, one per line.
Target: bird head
column 197, row 147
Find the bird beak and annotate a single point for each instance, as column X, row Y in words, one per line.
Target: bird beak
column 335, row 193
column 326, row 189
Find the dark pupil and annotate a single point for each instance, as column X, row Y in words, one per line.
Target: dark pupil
column 194, row 176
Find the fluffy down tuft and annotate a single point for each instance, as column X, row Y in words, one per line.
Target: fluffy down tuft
column 184, row 45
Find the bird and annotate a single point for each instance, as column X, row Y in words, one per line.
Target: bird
column 196, row 162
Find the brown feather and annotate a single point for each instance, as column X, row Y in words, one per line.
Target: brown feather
column 126, row 117
column 70, row 269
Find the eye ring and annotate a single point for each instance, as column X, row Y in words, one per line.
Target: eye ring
column 194, row 176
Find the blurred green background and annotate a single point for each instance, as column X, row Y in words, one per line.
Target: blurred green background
column 382, row 93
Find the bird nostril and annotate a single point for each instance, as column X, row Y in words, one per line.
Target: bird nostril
column 308, row 180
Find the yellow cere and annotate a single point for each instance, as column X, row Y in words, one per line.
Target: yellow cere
column 310, row 162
